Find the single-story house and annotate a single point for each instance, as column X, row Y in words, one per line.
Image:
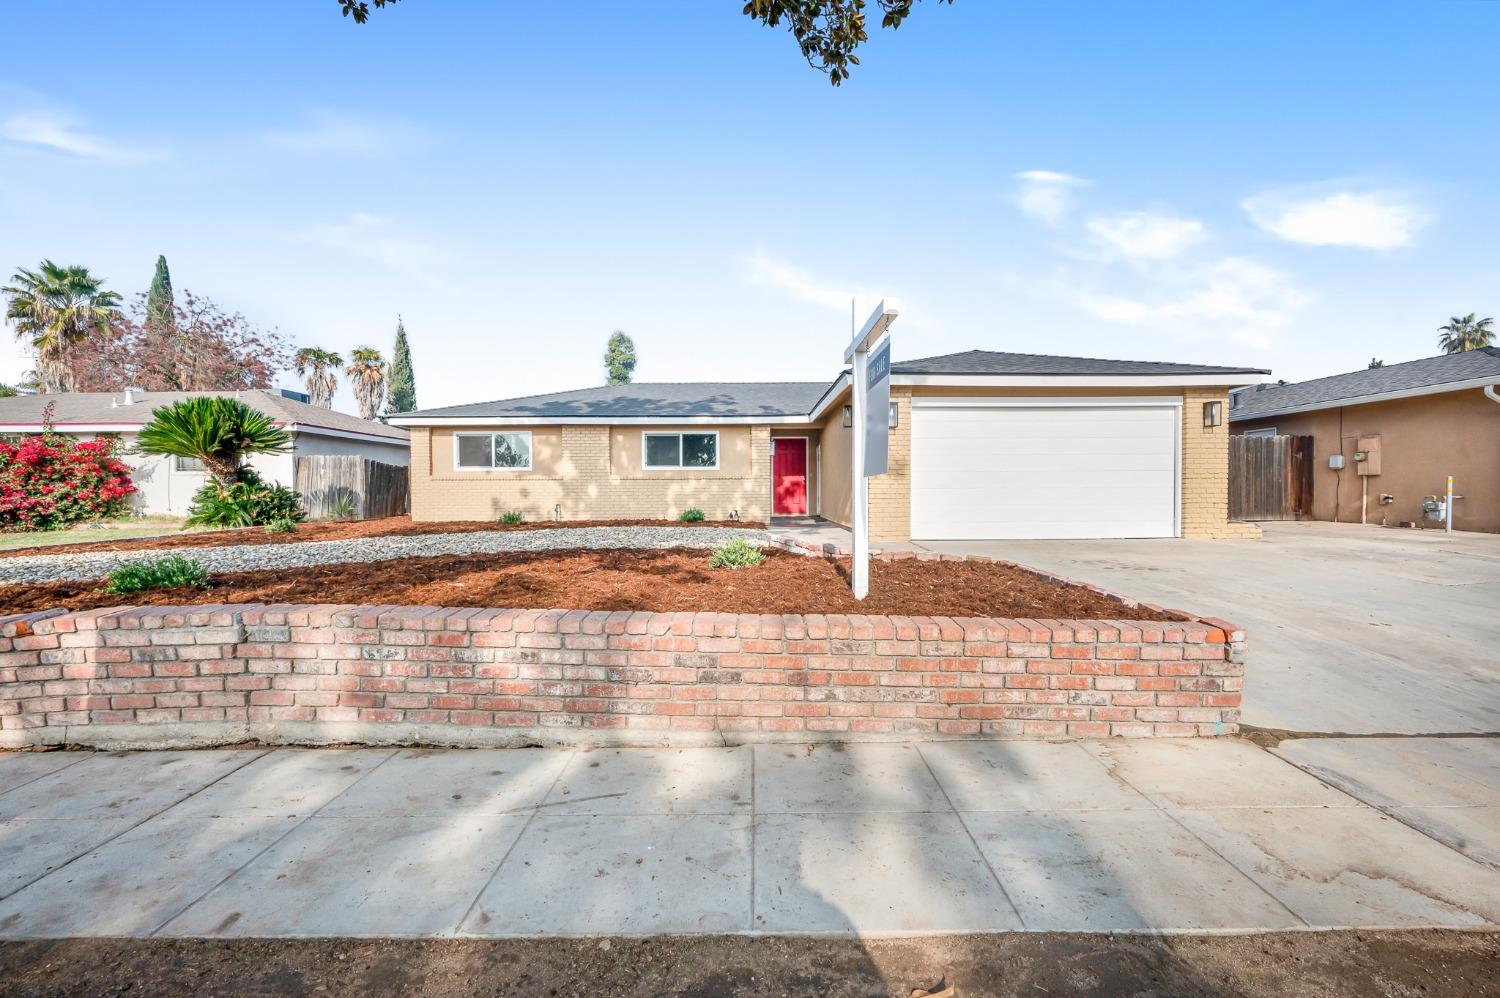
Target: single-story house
column 983, row 445
column 1403, row 427
column 166, row 485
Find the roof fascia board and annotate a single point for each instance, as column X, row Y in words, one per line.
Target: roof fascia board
column 833, row 394
column 600, row 421
column 313, row 429
column 1076, row 380
column 1352, row 400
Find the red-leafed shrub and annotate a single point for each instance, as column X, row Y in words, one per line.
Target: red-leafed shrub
column 50, row 481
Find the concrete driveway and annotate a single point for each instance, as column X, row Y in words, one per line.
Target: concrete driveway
column 1360, row 630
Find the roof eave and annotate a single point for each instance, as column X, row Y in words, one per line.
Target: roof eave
column 1353, row 400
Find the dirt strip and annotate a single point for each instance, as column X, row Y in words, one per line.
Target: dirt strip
column 1434, row 964
column 624, row 579
column 389, row 526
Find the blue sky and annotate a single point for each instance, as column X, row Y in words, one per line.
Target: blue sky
column 1293, row 186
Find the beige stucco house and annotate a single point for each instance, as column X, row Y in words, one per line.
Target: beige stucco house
column 1395, row 433
column 983, row 445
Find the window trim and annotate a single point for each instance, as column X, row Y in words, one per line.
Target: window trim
column 1264, row 431
column 178, row 469
column 492, row 434
column 679, row 434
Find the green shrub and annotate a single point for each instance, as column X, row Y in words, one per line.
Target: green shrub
column 693, row 515
column 159, row 573
column 283, row 525
column 512, row 516
column 249, row 502
column 738, row 553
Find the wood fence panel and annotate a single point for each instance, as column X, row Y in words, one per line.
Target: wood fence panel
column 336, row 483
column 1270, row 478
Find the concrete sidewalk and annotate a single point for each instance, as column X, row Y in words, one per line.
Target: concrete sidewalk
column 950, row 837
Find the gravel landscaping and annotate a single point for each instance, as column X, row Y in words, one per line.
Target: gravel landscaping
column 83, row 565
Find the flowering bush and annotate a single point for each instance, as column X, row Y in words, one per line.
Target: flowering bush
column 50, row 481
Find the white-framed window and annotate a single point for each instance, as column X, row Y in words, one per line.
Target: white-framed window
column 686, row 451
column 506, row 451
column 1267, row 431
column 188, row 464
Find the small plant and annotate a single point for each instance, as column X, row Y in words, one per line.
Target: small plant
column 159, row 573
column 341, row 507
column 512, row 516
column 282, row 525
column 738, row 553
column 691, row 515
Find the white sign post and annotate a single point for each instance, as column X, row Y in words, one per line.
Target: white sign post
column 871, row 427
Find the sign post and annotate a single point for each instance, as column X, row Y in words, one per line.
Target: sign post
column 871, row 389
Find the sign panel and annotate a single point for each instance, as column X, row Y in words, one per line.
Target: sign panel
column 877, row 409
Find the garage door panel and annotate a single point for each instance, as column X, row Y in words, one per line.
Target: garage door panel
column 1045, row 471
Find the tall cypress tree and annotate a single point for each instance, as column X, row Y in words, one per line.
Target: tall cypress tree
column 160, row 307
column 401, row 384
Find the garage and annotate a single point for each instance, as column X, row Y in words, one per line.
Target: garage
column 1005, row 468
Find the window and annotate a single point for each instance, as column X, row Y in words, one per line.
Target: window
column 188, row 464
column 500, row 451
column 676, row 451
column 1269, row 431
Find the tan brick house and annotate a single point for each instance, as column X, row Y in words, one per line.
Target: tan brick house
column 983, row 445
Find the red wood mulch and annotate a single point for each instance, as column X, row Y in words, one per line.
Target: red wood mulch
column 661, row 581
column 327, row 530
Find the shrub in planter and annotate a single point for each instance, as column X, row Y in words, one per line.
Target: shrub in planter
column 51, row 481
column 738, row 553
column 248, row 502
column 693, row 515
column 158, row 573
column 512, row 516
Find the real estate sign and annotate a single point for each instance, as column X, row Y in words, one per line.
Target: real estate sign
column 877, row 409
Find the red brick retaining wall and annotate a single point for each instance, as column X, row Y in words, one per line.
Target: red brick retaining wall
column 307, row 674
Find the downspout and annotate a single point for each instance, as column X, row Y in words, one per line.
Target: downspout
column 1489, row 393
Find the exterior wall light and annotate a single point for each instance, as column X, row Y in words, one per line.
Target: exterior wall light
column 1213, row 413
column 895, row 419
column 848, row 415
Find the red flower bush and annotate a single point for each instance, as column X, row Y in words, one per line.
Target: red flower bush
column 51, row 481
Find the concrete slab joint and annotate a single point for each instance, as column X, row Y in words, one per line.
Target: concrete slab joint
column 387, row 675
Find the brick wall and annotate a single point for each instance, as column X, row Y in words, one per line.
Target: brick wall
column 579, row 479
column 318, row 674
column 1205, row 470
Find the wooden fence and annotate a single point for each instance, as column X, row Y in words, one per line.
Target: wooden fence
column 1270, row 478
column 348, row 485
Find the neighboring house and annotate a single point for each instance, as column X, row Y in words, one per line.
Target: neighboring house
column 166, row 485
column 983, row 445
column 1427, row 419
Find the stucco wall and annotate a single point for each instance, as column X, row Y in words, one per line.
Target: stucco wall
column 591, row 473
column 1422, row 440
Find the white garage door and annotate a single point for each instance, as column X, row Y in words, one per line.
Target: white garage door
column 1043, row 469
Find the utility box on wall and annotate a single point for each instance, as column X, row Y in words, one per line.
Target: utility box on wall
column 1367, row 455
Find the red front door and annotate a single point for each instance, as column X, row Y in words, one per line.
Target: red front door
column 789, row 476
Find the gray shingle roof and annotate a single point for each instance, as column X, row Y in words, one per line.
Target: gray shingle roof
column 1349, row 389
column 664, row 400
column 996, row 362
column 105, row 407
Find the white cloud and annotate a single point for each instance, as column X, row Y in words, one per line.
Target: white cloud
column 327, row 132
column 371, row 237
column 1144, row 236
column 58, row 131
column 1046, row 194
column 1235, row 297
column 767, row 271
column 1375, row 220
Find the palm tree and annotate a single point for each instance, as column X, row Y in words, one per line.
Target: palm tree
column 319, row 371
column 215, row 429
column 366, row 372
column 56, row 308
column 1466, row 333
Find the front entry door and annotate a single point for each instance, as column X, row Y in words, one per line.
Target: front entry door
column 789, row 476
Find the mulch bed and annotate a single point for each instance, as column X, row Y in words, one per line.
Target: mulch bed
column 660, row 581
column 328, row 530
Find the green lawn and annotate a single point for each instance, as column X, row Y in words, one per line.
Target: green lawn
column 109, row 530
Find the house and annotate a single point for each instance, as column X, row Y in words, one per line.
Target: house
column 983, row 445
column 166, row 485
column 1400, row 429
